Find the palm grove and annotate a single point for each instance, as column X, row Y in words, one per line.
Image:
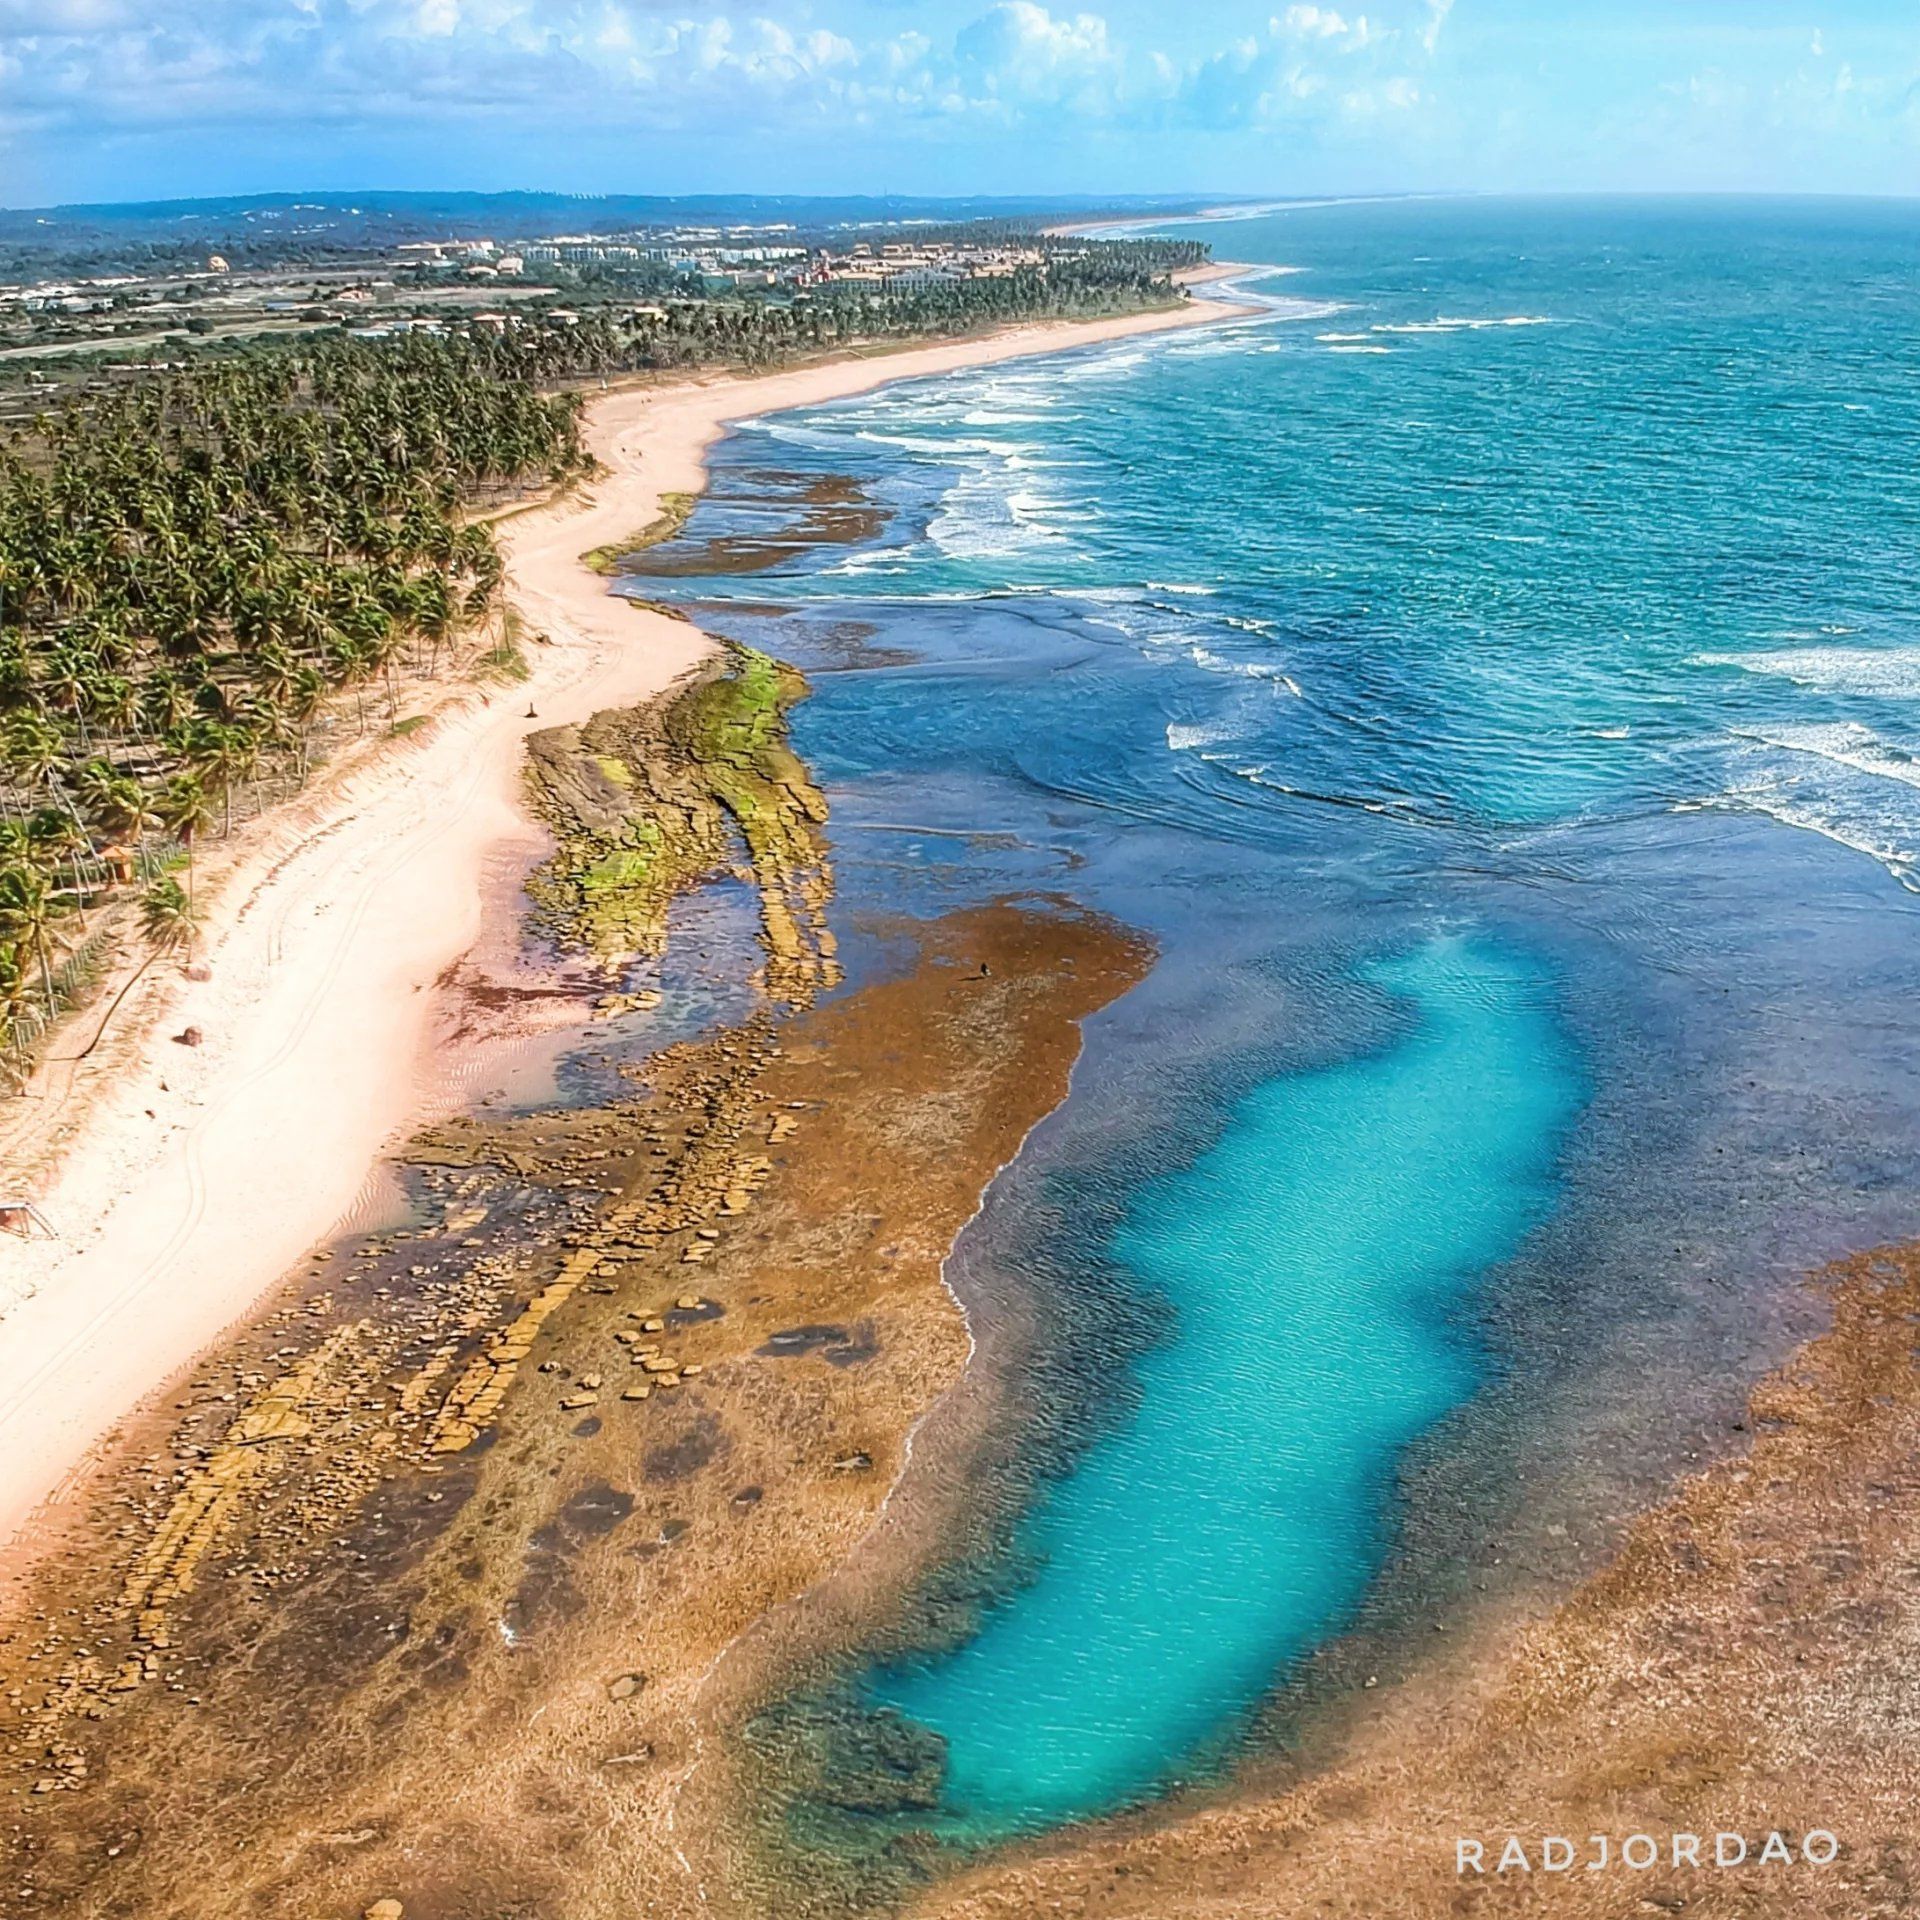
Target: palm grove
column 189, row 569
column 202, row 569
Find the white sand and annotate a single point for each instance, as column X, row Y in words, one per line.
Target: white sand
column 199, row 1176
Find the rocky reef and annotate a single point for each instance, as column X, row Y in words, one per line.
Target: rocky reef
column 648, row 803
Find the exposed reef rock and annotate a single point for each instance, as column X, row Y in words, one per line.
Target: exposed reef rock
column 424, row 1578
column 650, row 803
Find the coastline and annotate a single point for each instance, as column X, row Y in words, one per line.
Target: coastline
column 200, row 1175
column 571, row 1609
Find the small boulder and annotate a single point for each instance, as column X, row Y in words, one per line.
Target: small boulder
column 188, row 1037
column 386, row 1910
column 626, row 1686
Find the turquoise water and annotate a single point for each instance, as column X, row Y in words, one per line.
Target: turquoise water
column 1501, row 515
column 1490, row 673
column 1309, row 1260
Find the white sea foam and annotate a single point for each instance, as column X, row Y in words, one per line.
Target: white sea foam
column 1183, row 738
column 1210, row 662
column 1286, row 308
column 1879, row 671
column 923, row 443
column 1002, row 417
column 982, row 517
column 1792, row 811
column 1448, row 323
column 1839, row 779
column 866, row 560
column 1840, row 744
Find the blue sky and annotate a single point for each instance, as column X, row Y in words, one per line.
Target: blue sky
column 126, row 99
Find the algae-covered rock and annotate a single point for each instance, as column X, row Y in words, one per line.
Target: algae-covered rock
column 651, row 802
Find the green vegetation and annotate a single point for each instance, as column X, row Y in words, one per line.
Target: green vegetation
column 190, row 567
column 674, row 510
column 1084, row 280
column 647, row 805
column 207, row 565
column 166, row 915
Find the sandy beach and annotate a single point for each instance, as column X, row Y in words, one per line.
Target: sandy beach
column 196, row 1176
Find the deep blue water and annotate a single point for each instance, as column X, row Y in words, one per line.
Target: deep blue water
column 1491, row 676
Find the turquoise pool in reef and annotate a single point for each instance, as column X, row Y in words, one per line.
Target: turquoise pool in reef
column 1311, row 1259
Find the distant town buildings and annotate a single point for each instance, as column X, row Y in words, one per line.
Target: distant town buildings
column 450, row 278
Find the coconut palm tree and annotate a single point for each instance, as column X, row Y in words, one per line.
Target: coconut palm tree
column 30, row 911
column 166, row 916
column 183, row 809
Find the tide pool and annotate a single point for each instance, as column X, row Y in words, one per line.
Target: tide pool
column 1312, row 1259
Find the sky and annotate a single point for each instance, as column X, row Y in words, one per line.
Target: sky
column 147, row 99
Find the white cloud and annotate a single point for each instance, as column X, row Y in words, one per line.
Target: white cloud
column 1314, row 68
column 49, row 17
column 1018, row 56
column 530, row 73
column 1323, row 23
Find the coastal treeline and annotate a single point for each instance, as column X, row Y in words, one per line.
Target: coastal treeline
column 189, row 569
column 758, row 333
column 621, row 314
column 615, row 337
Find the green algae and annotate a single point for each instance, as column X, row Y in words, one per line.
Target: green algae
column 650, row 803
column 674, row 509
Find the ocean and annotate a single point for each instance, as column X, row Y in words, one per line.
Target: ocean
column 1488, row 673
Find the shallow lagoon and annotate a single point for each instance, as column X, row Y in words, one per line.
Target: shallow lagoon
column 1308, row 1259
